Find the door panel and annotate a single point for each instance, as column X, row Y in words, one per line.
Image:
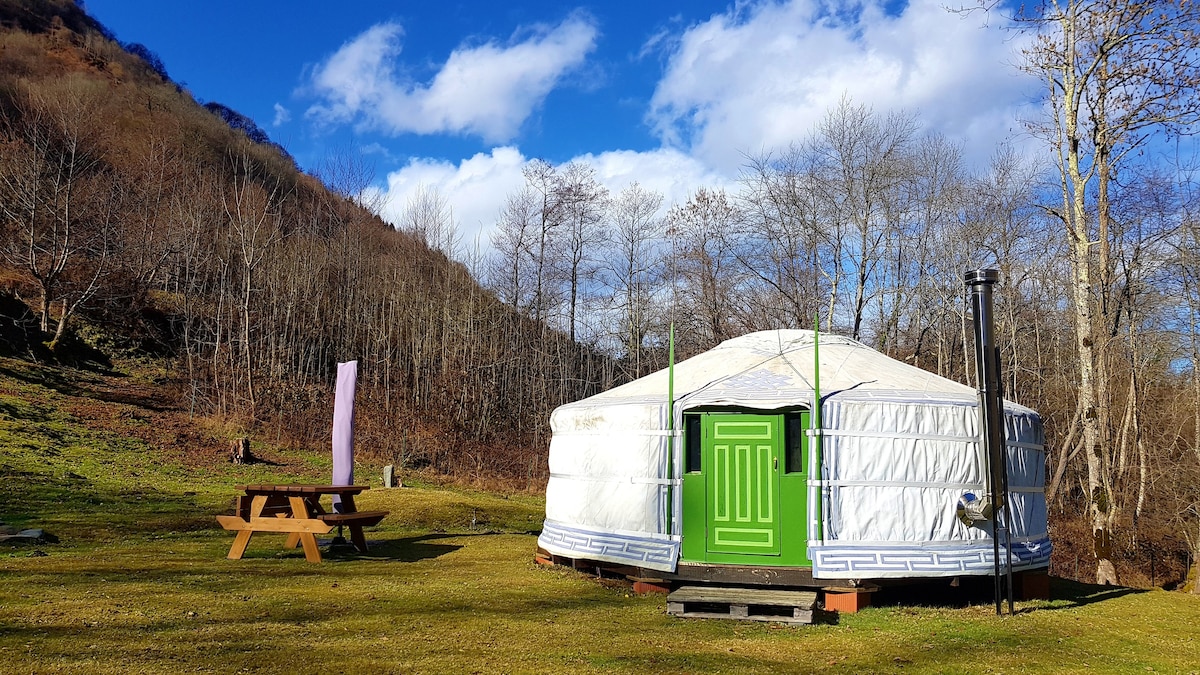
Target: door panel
column 742, row 505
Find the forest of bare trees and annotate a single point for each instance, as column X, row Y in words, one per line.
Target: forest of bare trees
column 127, row 205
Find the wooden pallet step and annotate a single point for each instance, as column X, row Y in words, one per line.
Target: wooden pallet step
column 754, row 596
column 748, row 604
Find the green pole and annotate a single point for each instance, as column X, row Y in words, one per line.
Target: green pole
column 671, row 378
column 817, row 372
column 816, row 420
column 671, row 428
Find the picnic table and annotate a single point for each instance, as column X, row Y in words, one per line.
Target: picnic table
column 297, row 511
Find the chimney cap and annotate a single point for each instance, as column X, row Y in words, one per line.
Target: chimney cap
column 983, row 275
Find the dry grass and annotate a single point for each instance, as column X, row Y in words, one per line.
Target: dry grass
column 140, row 584
column 474, row 602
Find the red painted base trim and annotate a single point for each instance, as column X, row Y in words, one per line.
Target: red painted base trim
column 647, row 587
column 846, row 601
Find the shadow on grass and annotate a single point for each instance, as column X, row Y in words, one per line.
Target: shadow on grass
column 935, row 593
column 245, row 604
column 1065, row 593
column 25, row 413
column 408, row 549
column 79, row 379
column 55, row 378
column 97, row 513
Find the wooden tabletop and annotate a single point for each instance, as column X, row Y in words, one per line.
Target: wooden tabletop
column 303, row 489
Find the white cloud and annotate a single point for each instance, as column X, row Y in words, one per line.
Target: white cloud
column 357, row 73
column 763, row 74
column 487, row 90
column 667, row 171
column 476, row 188
column 376, row 149
column 282, row 115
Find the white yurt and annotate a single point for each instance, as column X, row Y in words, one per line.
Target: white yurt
column 740, row 471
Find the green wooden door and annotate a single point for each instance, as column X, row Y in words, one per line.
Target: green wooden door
column 741, row 456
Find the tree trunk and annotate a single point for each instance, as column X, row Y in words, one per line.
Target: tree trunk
column 1100, row 507
column 1075, row 217
column 61, row 329
column 45, row 310
column 1191, row 573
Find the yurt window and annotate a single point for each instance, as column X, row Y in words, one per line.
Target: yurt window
column 794, row 436
column 691, row 437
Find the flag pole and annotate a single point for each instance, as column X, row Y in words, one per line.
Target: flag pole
column 814, row 472
column 817, row 372
column 671, row 444
column 671, row 376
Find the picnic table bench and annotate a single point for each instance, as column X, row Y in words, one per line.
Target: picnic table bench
column 297, row 511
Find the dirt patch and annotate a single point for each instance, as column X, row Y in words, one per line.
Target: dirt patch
column 148, row 412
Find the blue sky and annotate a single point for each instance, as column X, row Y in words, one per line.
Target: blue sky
column 457, row 96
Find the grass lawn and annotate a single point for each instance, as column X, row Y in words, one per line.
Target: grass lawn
column 140, row 583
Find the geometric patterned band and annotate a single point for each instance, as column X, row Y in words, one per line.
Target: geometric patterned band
column 850, row 561
column 830, row 561
column 573, row 542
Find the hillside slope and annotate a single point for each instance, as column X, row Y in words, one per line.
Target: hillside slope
column 131, row 208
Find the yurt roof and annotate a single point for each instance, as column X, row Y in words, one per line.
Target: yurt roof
column 776, row 368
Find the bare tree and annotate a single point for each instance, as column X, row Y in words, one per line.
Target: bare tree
column 515, row 242
column 253, row 214
column 543, row 183
column 583, row 203
column 785, row 238
column 349, row 174
column 705, row 270
column 633, row 265
column 58, row 202
column 428, row 216
column 862, row 162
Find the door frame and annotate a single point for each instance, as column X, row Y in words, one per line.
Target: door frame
column 791, row 496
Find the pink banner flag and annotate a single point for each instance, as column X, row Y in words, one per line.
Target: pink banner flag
column 343, row 427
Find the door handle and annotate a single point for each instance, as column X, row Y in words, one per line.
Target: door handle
column 776, row 464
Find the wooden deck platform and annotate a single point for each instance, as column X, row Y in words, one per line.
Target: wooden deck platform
column 692, row 573
column 833, row 596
